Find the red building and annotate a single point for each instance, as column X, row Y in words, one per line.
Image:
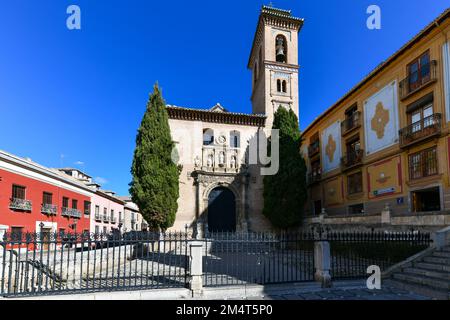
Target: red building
column 38, row 199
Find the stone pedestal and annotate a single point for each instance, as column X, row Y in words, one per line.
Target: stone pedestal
column 386, row 215
column 322, row 263
column 196, row 268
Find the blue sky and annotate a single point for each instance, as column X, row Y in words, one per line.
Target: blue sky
column 76, row 98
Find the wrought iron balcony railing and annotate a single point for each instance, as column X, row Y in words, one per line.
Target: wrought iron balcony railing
column 105, row 218
column 422, row 130
column 70, row 212
column 351, row 123
column 20, row 204
column 49, row 209
column 314, row 177
column 352, row 158
column 418, row 80
column 98, row 217
column 113, row 219
column 122, row 221
column 314, row 148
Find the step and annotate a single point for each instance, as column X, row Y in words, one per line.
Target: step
column 419, row 289
column 439, row 260
column 432, row 266
column 443, row 275
column 446, row 249
column 434, row 283
column 441, row 254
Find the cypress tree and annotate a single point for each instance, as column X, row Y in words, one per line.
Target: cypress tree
column 285, row 192
column 155, row 187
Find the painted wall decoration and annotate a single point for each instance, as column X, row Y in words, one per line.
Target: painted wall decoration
column 333, row 191
column 446, row 60
column 385, row 178
column 331, row 147
column 381, row 119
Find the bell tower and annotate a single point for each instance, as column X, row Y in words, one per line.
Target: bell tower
column 274, row 63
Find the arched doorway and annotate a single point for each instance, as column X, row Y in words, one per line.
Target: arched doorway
column 221, row 210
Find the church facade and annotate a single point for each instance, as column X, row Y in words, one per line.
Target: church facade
column 221, row 189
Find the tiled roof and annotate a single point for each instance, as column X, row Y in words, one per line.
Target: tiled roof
column 181, row 113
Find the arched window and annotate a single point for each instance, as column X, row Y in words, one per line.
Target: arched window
column 284, row 86
column 281, row 49
column 208, row 137
column 235, row 139
column 278, row 85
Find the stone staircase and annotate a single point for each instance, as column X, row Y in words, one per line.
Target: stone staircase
column 429, row 275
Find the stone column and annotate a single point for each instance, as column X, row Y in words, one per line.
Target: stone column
column 196, row 268
column 322, row 263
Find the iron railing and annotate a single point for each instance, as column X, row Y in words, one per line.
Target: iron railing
column 314, row 148
column 20, row 204
column 113, row 220
column 418, row 80
column 314, row 177
column 353, row 252
column 106, row 218
column 98, row 217
column 352, row 122
column 352, row 158
column 425, row 128
column 257, row 258
column 70, row 212
column 49, row 209
column 38, row 264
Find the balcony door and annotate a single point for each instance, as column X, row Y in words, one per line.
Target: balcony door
column 419, row 72
column 421, row 118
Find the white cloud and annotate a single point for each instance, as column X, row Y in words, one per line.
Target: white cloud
column 79, row 163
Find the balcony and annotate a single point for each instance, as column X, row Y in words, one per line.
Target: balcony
column 351, row 123
column 106, row 218
column 314, row 177
column 314, row 148
column 122, row 221
column 70, row 213
column 417, row 80
column 20, row 204
column 426, row 128
column 113, row 220
column 352, row 158
column 98, row 217
column 49, row 209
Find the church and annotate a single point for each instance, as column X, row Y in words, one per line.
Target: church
column 220, row 188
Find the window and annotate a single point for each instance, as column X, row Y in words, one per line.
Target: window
column 65, row 202
column 284, row 86
column 355, row 183
column 281, row 49
column 16, row 233
column 105, row 230
column 18, row 192
column 87, row 208
column 208, row 137
column 356, row 208
column 423, row 164
column 235, row 139
column 120, row 216
column 112, row 214
column 316, row 170
column 47, row 198
column 97, row 210
column 105, row 211
column 419, row 72
column 74, row 204
column 420, row 114
column 97, row 229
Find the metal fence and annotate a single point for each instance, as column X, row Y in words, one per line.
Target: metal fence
column 33, row 264
column 37, row 264
column 257, row 258
column 353, row 252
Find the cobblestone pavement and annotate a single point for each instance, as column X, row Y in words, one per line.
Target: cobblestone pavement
column 346, row 294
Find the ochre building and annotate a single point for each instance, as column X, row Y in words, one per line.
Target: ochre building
column 380, row 156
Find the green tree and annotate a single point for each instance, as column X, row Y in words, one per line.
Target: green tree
column 155, row 187
column 285, row 192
